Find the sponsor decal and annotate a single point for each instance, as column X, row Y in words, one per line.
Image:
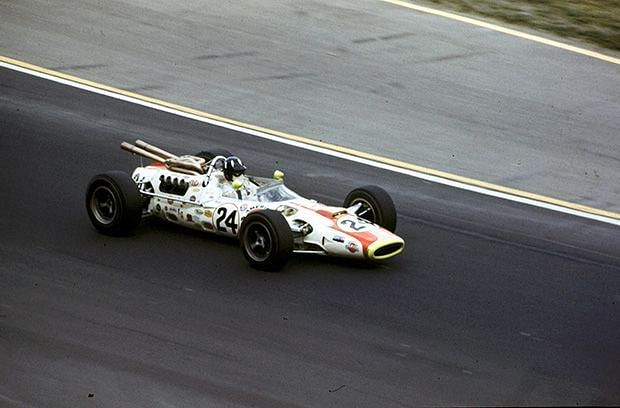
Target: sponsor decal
column 170, row 202
column 158, row 208
column 192, row 198
column 207, row 225
column 198, row 211
column 194, row 183
column 189, row 218
column 352, row 247
column 243, row 207
column 338, row 238
column 208, row 213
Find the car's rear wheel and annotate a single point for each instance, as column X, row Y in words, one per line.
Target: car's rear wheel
column 374, row 205
column 266, row 240
column 113, row 203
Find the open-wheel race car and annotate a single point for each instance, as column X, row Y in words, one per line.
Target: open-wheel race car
column 210, row 192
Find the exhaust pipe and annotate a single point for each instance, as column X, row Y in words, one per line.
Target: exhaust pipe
column 186, row 164
column 136, row 150
column 154, row 149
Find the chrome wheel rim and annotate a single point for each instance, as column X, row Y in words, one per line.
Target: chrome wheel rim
column 103, row 205
column 258, row 242
column 366, row 210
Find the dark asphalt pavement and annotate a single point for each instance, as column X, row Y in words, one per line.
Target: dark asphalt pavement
column 492, row 302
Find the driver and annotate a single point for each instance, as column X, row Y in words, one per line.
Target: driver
column 233, row 167
column 233, row 184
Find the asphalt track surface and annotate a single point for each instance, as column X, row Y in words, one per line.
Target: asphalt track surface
column 436, row 92
column 491, row 303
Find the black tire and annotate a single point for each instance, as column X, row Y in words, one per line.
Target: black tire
column 113, row 203
column 210, row 154
column 266, row 240
column 376, row 206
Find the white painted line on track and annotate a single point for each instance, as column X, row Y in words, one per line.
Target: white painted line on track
column 385, row 166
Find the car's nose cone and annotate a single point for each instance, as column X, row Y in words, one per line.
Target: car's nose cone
column 385, row 248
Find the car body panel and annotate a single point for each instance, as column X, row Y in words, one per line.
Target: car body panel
column 210, row 203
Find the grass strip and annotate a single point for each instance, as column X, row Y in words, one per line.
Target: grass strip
column 593, row 21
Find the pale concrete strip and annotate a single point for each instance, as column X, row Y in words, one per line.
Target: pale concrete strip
column 505, row 30
column 385, row 163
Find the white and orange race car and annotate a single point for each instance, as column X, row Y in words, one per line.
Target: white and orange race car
column 210, row 192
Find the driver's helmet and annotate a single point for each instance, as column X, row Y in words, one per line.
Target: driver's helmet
column 233, row 167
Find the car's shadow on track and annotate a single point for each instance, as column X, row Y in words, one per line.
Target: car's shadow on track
column 335, row 264
column 150, row 224
column 299, row 263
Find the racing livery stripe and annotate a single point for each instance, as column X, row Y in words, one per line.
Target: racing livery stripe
column 346, row 153
column 366, row 238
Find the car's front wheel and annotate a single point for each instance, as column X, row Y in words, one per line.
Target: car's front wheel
column 113, row 203
column 373, row 204
column 266, row 240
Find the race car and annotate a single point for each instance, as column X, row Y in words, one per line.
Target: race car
column 210, row 191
